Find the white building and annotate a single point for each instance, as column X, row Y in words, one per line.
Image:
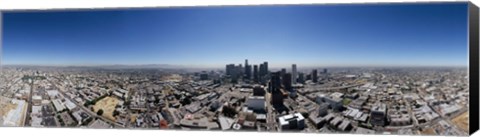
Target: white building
column 16, row 116
column 446, row 110
column 57, row 103
column 69, row 104
column 225, row 122
column 37, row 100
column 123, row 92
column 292, row 121
column 36, row 116
column 118, row 94
column 53, row 93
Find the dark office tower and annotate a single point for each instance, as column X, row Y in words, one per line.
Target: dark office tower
column 275, row 82
column 265, row 64
column 301, row 78
column 240, row 70
column 261, row 70
column 204, row 76
column 248, row 74
column 248, row 70
column 237, row 72
column 233, row 71
column 324, row 71
column 287, row 81
column 258, row 91
column 275, row 89
column 227, row 70
column 255, row 73
column 283, row 72
column 294, row 74
column 314, row 76
column 230, row 69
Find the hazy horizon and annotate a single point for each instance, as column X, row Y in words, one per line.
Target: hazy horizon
column 420, row 34
column 223, row 67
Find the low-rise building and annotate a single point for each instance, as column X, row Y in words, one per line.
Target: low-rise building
column 57, row 103
column 319, row 122
column 292, row 122
column 378, row 114
column 345, row 125
column 37, row 100
column 257, row 104
column 70, row 105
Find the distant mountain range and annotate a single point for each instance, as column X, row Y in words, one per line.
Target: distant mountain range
column 120, row 66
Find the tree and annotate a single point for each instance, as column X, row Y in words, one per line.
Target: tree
column 163, row 124
column 185, row 101
column 115, row 113
column 127, row 103
column 229, row 111
column 100, row 112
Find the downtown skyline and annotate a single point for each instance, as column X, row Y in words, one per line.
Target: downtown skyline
column 308, row 35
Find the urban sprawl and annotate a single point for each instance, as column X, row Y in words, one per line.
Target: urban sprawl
column 251, row 97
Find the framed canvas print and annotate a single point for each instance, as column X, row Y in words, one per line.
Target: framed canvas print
column 372, row 68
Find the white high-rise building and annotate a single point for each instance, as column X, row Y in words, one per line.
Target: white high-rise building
column 294, row 73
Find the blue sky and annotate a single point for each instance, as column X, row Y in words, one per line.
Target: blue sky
column 308, row 35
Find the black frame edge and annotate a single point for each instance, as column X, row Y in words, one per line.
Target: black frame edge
column 473, row 40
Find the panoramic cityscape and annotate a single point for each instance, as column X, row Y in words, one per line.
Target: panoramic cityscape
column 241, row 97
column 372, row 69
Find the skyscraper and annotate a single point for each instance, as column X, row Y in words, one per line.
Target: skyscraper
column 265, row 64
column 248, row 70
column 262, row 74
column 294, row 73
column 314, row 76
column 229, row 69
column 287, row 81
column 255, row 73
column 301, row 78
column 275, row 89
column 275, row 83
column 238, row 73
column 203, row 76
column 240, row 69
column 261, row 71
column 283, row 72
